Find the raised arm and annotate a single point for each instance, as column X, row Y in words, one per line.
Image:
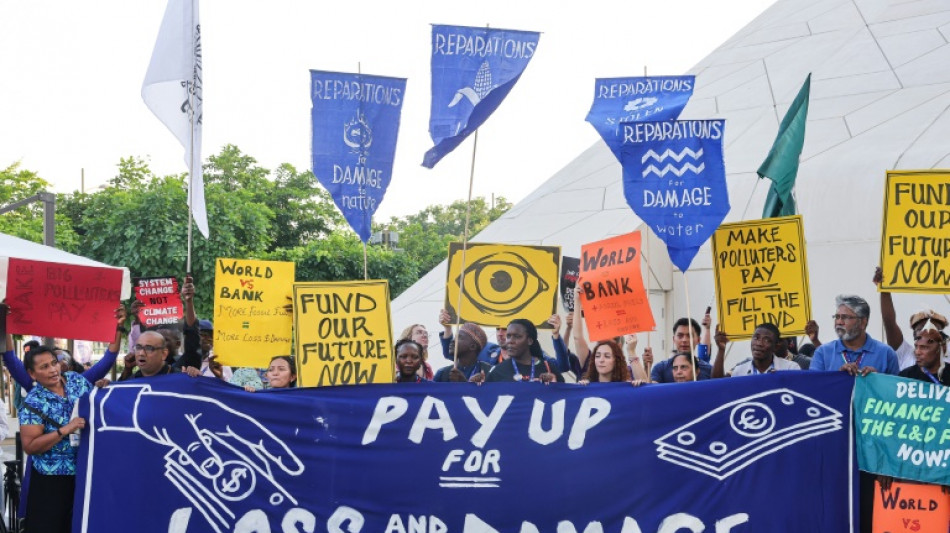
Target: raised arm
column 191, row 356
column 718, row 370
column 581, row 348
column 12, row 362
column 892, row 332
column 103, row 366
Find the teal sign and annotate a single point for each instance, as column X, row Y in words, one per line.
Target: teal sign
column 903, row 428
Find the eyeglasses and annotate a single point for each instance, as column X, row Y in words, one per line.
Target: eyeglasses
column 147, row 348
column 845, row 317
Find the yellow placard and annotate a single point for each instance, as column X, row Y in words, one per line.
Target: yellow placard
column 251, row 324
column 761, row 276
column 915, row 242
column 503, row 282
column 344, row 333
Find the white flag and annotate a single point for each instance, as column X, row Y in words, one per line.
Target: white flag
column 172, row 91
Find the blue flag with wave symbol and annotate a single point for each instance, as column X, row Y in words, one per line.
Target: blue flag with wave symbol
column 674, row 179
column 638, row 99
column 355, row 120
column 473, row 70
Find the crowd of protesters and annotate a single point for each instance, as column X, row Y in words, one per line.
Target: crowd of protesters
column 53, row 382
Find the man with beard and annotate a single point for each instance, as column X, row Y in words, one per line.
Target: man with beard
column 855, row 352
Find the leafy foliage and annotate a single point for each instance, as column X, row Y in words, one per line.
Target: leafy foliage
column 26, row 222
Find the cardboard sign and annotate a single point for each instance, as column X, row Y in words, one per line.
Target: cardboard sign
column 60, row 300
column 251, row 325
column 570, row 271
column 910, row 507
column 762, row 276
column 503, row 282
column 915, row 242
column 613, row 298
column 344, row 333
column 161, row 302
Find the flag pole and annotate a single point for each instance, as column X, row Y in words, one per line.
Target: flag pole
column 468, row 212
column 192, row 90
column 359, row 73
column 692, row 347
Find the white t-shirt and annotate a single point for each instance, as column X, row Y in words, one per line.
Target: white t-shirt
column 745, row 368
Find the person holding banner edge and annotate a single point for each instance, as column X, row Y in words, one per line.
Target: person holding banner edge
column 686, row 335
column 763, row 343
column 467, row 367
column 408, row 361
column 930, row 346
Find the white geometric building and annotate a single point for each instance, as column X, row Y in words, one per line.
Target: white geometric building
column 880, row 100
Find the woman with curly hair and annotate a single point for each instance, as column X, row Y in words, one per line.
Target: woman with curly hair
column 609, row 365
column 419, row 334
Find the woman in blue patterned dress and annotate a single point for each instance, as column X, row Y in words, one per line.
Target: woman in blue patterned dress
column 44, row 428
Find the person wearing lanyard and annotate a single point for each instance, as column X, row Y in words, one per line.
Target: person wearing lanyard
column 765, row 339
column 467, row 367
column 855, row 352
column 525, row 359
column 929, row 347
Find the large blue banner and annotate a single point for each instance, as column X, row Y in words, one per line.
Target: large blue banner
column 646, row 99
column 473, row 70
column 674, row 179
column 749, row 454
column 355, row 124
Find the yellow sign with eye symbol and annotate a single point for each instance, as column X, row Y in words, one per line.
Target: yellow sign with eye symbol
column 503, row 282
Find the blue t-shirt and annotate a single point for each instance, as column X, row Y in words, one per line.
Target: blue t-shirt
column 60, row 460
column 832, row 355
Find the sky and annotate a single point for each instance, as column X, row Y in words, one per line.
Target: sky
column 72, row 71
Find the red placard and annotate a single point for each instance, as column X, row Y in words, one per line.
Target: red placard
column 60, row 300
column 161, row 303
column 612, row 294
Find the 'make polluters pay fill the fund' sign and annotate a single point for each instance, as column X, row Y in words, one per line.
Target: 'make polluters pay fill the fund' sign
column 762, row 276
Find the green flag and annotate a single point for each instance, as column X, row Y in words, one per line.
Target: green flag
column 781, row 165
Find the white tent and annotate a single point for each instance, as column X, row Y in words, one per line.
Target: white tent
column 22, row 249
column 880, row 100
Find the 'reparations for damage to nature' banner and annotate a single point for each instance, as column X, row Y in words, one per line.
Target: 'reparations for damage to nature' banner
column 506, row 457
column 762, row 276
column 344, row 333
column 915, row 242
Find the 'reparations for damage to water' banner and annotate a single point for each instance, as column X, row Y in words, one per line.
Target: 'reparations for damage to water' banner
column 505, row 457
column 762, row 276
column 674, row 179
column 344, row 333
column 915, row 243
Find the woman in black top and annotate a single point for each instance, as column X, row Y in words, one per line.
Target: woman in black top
column 525, row 360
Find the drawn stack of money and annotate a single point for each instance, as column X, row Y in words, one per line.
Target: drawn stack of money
column 729, row 438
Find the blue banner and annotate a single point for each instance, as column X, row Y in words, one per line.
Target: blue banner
column 674, row 179
column 721, row 455
column 902, row 428
column 355, row 121
column 473, row 70
column 646, row 99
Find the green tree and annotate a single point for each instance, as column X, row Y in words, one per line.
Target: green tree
column 425, row 236
column 339, row 257
column 26, row 222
